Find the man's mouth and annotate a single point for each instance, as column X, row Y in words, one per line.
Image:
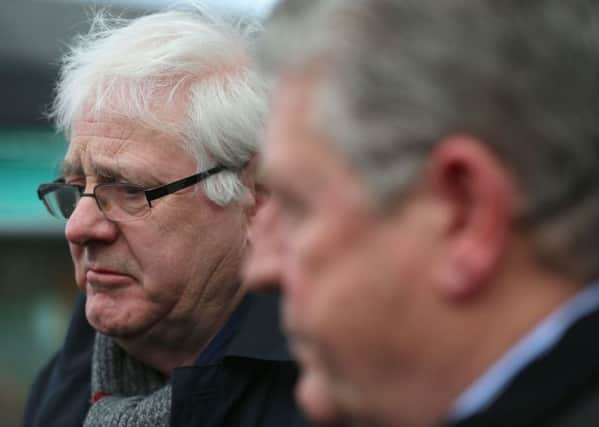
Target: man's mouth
column 106, row 278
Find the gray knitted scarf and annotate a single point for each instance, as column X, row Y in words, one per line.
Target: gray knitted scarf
column 125, row 392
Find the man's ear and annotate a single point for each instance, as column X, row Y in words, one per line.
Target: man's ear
column 257, row 191
column 479, row 195
column 258, row 214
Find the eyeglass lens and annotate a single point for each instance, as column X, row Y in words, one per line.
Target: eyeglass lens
column 62, row 202
column 117, row 201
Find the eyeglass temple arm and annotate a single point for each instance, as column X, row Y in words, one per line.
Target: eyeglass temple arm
column 44, row 189
column 181, row 184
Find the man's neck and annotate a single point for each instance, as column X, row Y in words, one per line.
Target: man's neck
column 182, row 344
column 504, row 319
column 485, row 329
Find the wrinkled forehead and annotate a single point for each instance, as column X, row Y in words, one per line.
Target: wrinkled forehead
column 107, row 146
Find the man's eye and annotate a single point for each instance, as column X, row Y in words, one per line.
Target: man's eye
column 131, row 190
column 293, row 211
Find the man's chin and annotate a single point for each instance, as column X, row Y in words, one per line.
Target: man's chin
column 109, row 319
column 111, row 329
column 323, row 404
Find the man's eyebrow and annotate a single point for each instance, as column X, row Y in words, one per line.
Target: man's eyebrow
column 75, row 168
column 69, row 168
column 265, row 174
column 104, row 171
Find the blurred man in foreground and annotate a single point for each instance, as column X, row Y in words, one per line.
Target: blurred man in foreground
column 434, row 165
column 157, row 189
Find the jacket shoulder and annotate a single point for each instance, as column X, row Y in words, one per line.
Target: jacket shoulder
column 60, row 393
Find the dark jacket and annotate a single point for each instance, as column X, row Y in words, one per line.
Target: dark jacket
column 252, row 386
column 560, row 389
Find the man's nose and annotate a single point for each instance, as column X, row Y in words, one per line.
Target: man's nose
column 87, row 223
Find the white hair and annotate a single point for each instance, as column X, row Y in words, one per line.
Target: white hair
column 145, row 69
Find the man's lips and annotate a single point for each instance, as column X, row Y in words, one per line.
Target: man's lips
column 105, row 277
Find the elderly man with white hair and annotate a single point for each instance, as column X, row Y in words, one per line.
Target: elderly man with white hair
column 157, row 189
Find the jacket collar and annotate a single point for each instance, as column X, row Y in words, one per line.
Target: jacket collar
column 259, row 335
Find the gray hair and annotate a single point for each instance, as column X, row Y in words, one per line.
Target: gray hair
column 521, row 76
column 140, row 68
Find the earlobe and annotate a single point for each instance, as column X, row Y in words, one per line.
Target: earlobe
column 479, row 195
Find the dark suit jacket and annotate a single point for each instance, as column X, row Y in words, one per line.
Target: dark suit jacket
column 561, row 389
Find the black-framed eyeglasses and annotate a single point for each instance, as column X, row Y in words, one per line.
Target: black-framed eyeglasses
column 119, row 202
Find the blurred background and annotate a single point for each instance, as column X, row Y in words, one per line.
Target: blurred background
column 36, row 275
